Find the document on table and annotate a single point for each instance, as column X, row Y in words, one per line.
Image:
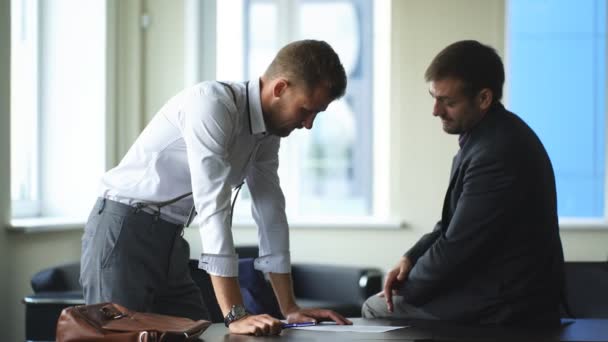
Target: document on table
column 350, row 328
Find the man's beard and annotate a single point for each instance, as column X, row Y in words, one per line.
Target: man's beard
column 270, row 125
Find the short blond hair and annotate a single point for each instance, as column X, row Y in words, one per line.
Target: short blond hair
column 312, row 61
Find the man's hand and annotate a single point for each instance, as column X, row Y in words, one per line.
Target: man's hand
column 283, row 288
column 258, row 325
column 316, row 315
column 395, row 279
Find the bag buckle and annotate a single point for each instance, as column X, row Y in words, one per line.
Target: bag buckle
column 111, row 313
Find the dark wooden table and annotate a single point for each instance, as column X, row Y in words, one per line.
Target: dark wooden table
column 570, row 330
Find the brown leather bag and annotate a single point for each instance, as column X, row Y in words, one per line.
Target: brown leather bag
column 112, row 322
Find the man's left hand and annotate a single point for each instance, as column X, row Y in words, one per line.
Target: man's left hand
column 316, row 315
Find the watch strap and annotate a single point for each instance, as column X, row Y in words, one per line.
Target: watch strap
column 236, row 312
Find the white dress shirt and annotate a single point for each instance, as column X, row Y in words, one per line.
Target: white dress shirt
column 204, row 142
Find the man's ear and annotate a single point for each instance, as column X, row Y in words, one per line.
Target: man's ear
column 280, row 85
column 485, row 99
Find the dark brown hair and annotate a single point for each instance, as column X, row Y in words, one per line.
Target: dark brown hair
column 478, row 66
column 312, row 61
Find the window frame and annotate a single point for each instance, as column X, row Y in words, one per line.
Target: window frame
column 361, row 79
column 31, row 207
column 38, row 214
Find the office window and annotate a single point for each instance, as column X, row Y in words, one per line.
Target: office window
column 24, row 101
column 326, row 171
column 57, row 106
column 556, row 74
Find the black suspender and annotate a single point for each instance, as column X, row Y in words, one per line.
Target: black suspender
column 192, row 214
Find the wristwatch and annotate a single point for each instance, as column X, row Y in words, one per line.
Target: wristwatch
column 236, row 312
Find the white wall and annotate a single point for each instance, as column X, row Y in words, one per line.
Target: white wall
column 420, row 152
column 163, row 46
column 28, row 254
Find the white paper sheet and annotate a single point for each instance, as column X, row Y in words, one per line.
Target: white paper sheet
column 350, row 328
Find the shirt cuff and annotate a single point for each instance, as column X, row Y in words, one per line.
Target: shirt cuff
column 275, row 263
column 223, row 265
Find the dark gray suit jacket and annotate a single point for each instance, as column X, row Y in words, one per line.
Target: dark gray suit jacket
column 496, row 255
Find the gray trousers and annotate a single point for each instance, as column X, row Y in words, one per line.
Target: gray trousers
column 137, row 260
column 375, row 307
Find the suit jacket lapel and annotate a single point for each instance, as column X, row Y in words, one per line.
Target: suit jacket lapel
column 455, row 165
column 446, row 216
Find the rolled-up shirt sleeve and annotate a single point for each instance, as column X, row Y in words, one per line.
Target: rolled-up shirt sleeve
column 208, row 131
column 268, row 209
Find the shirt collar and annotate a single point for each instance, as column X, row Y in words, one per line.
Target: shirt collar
column 256, row 117
column 462, row 139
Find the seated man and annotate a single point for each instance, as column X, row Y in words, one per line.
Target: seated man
column 496, row 254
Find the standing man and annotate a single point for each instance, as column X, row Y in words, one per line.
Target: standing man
column 205, row 141
column 496, row 254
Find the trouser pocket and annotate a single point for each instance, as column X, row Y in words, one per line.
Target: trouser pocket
column 109, row 237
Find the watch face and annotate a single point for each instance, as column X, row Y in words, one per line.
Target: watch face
column 238, row 311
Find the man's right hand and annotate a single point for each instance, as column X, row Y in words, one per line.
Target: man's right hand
column 258, row 325
column 395, row 279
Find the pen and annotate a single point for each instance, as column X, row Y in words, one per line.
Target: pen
column 297, row 325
